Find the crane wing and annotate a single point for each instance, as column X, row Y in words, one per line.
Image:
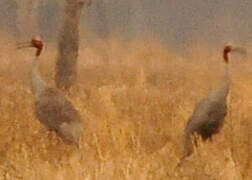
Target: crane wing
column 53, row 109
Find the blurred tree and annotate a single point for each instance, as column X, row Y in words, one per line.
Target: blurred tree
column 8, row 15
column 66, row 65
column 50, row 12
column 27, row 18
column 101, row 16
column 101, row 27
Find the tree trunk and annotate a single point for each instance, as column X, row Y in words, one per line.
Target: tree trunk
column 66, row 65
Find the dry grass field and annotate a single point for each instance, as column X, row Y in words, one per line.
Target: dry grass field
column 135, row 106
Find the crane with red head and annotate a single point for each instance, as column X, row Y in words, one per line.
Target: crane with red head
column 52, row 108
column 209, row 114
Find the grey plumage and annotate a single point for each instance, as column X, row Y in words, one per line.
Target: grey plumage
column 58, row 114
column 209, row 115
column 52, row 108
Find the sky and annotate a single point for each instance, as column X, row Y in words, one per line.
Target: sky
column 177, row 23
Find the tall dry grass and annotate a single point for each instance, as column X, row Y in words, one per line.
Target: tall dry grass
column 134, row 111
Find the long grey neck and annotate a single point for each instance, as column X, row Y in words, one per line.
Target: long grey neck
column 227, row 80
column 223, row 90
column 37, row 83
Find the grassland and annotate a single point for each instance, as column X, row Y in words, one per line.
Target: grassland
column 135, row 105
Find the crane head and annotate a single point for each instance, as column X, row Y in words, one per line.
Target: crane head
column 87, row 2
column 34, row 43
column 227, row 49
column 80, row 3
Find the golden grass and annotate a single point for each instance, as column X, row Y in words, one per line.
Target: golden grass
column 134, row 108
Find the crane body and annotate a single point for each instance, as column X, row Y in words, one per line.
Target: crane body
column 209, row 114
column 52, row 108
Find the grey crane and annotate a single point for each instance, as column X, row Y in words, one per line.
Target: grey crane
column 52, row 108
column 209, row 114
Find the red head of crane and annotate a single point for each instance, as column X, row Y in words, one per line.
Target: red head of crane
column 227, row 49
column 35, row 43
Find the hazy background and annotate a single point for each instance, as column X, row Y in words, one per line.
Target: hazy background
column 136, row 90
column 177, row 23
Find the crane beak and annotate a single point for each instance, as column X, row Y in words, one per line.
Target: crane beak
column 24, row 45
column 239, row 50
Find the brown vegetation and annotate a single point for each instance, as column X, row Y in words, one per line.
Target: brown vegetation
column 135, row 110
